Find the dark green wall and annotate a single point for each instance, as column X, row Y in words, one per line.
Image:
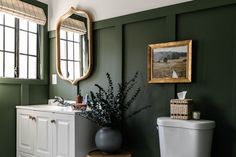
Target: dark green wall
column 63, row 88
column 17, row 92
column 120, row 47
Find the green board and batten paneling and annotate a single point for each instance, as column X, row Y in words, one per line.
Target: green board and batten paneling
column 120, row 47
column 18, row 91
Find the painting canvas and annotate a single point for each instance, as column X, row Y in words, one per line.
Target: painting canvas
column 170, row 62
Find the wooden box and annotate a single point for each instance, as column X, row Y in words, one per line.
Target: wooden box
column 181, row 109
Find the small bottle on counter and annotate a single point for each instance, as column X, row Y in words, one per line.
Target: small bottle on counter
column 196, row 115
column 85, row 101
column 80, row 102
column 79, row 99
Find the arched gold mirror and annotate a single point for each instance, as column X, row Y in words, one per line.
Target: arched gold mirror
column 74, row 45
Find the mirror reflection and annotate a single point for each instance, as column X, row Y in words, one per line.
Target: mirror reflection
column 74, row 46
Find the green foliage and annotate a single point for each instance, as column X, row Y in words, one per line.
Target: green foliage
column 108, row 107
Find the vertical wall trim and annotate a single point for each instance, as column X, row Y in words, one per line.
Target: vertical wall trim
column 120, row 49
column 171, row 27
column 234, row 86
column 172, row 36
column 24, row 94
column 233, row 113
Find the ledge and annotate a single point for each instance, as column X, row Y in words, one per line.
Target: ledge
column 23, row 81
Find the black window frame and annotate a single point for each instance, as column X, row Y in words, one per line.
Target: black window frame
column 17, row 49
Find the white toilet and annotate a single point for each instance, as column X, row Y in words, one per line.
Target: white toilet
column 185, row 138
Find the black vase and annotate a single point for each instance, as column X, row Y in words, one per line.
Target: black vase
column 108, row 139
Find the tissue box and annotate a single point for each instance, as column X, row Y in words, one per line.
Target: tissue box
column 181, row 108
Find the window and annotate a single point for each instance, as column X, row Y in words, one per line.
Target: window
column 72, row 49
column 19, row 48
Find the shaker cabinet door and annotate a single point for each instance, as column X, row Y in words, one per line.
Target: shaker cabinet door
column 25, row 131
column 63, row 136
column 43, row 134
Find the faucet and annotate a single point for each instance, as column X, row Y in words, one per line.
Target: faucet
column 61, row 101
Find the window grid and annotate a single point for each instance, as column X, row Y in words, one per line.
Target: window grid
column 27, row 54
column 67, row 60
column 4, row 51
column 16, row 47
column 17, row 52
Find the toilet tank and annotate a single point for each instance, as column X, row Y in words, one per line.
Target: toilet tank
column 185, row 138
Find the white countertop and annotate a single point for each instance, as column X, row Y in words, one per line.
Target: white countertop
column 49, row 108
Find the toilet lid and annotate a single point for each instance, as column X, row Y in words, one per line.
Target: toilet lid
column 190, row 124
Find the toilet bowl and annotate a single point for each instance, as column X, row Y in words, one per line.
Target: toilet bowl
column 185, row 138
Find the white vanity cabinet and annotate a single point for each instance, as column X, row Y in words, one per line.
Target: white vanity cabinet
column 52, row 134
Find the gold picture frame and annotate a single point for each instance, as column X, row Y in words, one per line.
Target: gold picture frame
column 170, row 62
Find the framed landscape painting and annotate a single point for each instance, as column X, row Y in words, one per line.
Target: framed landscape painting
column 170, row 62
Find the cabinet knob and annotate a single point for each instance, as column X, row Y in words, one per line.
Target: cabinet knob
column 53, row 121
column 33, row 118
column 30, row 117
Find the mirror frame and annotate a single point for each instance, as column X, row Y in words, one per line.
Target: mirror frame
column 89, row 27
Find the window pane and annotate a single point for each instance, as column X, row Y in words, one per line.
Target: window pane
column 77, row 52
column 71, row 70
column 9, row 67
column 9, row 20
column 23, row 66
column 32, row 27
column 32, row 44
column 70, row 36
column 23, row 42
column 62, row 34
column 32, row 67
column 63, row 68
column 84, row 44
column 70, row 50
column 77, row 69
column 1, row 37
column 76, row 37
column 1, row 64
column 85, row 62
column 63, row 49
column 1, row 18
column 23, row 24
column 9, row 39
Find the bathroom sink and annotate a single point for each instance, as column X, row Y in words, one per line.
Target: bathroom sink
column 52, row 107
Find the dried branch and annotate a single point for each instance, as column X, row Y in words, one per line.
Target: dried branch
column 107, row 108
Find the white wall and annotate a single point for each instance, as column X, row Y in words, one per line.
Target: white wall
column 103, row 9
